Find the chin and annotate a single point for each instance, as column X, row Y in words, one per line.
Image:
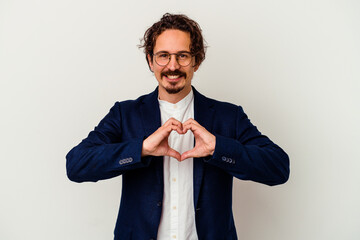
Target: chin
column 174, row 87
column 174, row 90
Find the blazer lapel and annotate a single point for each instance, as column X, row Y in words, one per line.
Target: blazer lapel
column 151, row 121
column 150, row 113
column 203, row 114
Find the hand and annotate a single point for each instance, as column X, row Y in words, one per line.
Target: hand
column 204, row 140
column 157, row 143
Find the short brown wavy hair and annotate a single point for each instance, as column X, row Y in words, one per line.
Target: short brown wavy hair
column 180, row 22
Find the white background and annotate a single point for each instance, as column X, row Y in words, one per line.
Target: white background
column 292, row 65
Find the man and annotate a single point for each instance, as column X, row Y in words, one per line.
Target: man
column 176, row 150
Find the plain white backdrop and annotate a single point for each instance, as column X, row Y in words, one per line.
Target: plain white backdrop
column 292, row 65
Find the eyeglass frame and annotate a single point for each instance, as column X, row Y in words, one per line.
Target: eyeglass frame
column 176, row 57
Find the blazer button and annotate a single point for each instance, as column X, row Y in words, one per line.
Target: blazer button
column 159, row 204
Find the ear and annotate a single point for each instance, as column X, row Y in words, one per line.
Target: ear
column 196, row 67
column 150, row 63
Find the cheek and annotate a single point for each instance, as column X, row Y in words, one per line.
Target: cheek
column 189, row 73
column 157, row 72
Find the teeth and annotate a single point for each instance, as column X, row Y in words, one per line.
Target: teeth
column 173, row 76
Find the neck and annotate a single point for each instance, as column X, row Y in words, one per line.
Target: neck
column 175, row 97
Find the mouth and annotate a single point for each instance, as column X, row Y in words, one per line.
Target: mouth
column 173, row 76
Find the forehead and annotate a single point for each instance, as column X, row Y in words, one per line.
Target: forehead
column 172, row 40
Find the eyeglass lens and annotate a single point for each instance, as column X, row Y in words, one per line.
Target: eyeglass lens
column 163, row 58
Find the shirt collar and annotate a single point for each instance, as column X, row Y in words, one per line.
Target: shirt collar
column 182, row 104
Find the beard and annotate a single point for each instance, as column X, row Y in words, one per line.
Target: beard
column 173, row 89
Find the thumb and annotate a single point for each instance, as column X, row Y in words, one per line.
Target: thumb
column 188, row 154
column 172, row 153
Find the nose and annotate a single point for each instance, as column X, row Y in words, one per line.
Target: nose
column 173, row 63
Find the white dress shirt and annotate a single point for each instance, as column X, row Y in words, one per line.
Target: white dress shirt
column 178, row 215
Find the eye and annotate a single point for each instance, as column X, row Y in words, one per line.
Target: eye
column 183, row 56
column 163, row 55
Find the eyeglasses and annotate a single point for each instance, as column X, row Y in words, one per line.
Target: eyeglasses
column 163, row 58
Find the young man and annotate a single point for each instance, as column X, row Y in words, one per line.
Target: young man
column 176, row 150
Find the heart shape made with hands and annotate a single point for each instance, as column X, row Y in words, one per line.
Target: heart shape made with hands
column 157, row 143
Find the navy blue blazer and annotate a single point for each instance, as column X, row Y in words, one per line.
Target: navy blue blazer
column 114, row 148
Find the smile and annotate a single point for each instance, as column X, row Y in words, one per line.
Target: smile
column 172, row 77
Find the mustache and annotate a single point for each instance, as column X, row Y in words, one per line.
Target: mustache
column 176, row 72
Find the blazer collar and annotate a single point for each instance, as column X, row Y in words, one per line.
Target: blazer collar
column 151, row 118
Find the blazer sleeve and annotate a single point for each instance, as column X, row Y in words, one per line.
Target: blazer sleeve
column 103, row 154
column 251, row 155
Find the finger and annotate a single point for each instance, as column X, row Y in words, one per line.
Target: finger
column 171, row 128
column 189, row 154
column 191, row 120
column 160, row 134
column 172, row 153
column 173, row 121
column 190, row 126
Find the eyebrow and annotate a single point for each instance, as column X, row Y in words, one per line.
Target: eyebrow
column 175, row 52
